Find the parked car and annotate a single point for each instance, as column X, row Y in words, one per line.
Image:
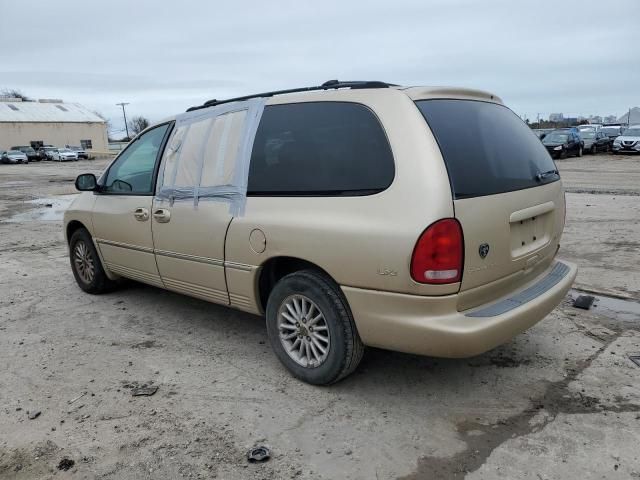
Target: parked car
column 364, row 220
column 589, row 126
column 81, row 152
column 563, row 142
column 595, row 141
column 13, row 156
column 63, row 155
column 629, row 141
column 42, row 152
column 542, row 132
column 28, row 151
column 612, row 131
column 47, row 152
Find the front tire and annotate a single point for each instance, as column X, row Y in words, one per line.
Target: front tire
column 311, row 329
column 579, row 152
column 85, row 264
column 594, row 150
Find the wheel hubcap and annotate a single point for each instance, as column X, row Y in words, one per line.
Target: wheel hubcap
column 83, row 262
column 303, row 331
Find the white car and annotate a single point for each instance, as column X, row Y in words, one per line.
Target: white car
column 64, row 155
column 629, row 141
column 13, row 156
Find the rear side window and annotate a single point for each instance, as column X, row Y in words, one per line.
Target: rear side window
column 486, row 147
column 320, row 148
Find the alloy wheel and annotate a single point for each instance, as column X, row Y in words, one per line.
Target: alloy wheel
column 83, row 261
column 303, row 331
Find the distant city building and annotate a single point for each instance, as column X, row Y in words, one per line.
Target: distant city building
column 50, row 122
column 595, row 119
column 556, row 117
column 610, row 119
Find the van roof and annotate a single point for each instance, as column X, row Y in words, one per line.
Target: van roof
column 415, row 93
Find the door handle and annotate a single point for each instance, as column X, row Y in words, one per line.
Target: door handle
column 162, row 215
column 141, row 214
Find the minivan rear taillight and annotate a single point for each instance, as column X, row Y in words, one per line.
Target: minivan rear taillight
column 438, row 254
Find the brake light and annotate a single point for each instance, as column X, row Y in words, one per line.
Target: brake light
column 438, row 255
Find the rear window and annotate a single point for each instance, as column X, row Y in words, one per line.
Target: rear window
column 320, row 148
column 486, row 147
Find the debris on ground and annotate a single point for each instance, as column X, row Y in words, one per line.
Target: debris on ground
column 77, row 398
column 144, row 391
column 635, row 359
column 34, row 414
column 258, row 454
column 65, row 464
column 584, row 302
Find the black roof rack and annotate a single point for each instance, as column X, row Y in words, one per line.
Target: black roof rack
column 331, row 84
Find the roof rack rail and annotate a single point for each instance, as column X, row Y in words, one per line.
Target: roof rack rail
column 330, row 84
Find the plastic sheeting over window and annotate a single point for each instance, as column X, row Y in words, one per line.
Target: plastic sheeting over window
column 207, row 156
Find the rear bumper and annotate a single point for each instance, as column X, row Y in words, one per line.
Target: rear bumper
column 433, row 326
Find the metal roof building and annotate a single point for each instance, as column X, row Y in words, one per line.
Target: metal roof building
column 50, row 122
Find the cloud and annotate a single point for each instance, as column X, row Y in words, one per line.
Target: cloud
column 538, row 56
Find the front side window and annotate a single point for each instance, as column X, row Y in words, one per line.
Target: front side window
column 320, row 148
column 133, row 171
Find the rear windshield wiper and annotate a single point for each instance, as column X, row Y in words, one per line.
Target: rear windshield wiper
column 542, row 175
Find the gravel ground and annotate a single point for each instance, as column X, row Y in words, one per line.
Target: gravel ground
column 560, row 401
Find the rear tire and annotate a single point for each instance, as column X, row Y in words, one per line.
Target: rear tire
column 323, row 361
column 85, row 264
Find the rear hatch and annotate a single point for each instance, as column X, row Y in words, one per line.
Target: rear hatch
column 506, row 194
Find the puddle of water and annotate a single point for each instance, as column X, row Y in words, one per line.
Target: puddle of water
column 46, row 209
column 612, row 307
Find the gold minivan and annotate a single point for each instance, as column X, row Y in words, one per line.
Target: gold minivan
column 422, row 220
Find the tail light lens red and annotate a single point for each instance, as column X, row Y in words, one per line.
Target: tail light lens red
column 439, row 253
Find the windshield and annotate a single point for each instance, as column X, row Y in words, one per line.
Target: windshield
column 610, row 131
column 64, row 150
column 556, row 138
column 588, row 134
column 15, row 152
column 487, row 149
column 631, row 132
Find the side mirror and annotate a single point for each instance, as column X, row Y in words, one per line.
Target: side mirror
column 86, row 182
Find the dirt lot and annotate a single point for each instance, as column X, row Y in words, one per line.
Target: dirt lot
column 560, row 401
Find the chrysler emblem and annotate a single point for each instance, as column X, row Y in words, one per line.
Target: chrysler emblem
column 483, row 250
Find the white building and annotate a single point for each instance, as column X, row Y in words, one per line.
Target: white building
column 50, row 122
column 556, row 117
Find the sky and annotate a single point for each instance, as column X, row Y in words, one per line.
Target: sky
column 578, row 57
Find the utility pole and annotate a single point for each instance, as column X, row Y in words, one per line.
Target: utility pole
column 629, row 117
column 125, row 118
